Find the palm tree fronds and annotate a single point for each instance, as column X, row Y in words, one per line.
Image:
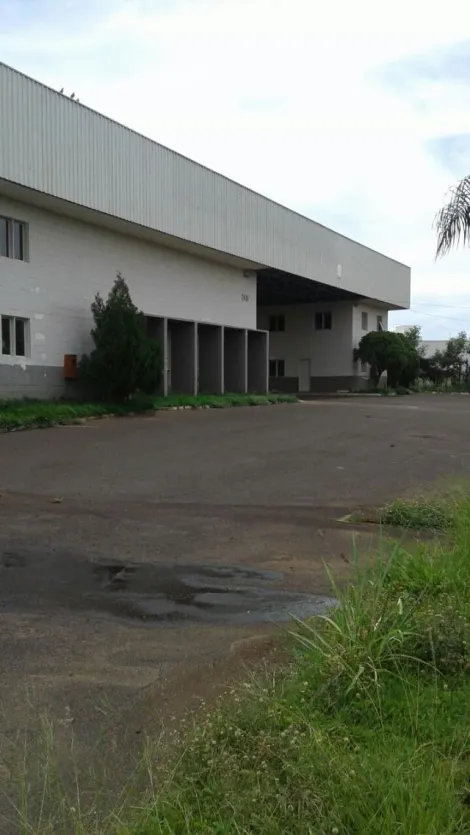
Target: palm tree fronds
column 453, row 220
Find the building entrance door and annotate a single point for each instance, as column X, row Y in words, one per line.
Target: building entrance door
column 304, row 375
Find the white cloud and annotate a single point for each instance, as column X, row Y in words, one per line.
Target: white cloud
column 287, row 97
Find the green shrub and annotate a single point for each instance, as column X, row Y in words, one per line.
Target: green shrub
column 125, row 360
column 390, row 352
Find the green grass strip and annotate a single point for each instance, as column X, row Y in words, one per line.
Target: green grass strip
column 29, row 414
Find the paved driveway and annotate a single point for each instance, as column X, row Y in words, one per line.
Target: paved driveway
column 133, row 551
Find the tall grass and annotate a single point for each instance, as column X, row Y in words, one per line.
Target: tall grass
column 367, row 731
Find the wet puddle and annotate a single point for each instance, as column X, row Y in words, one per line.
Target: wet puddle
column 203, row 593
column 154, row 592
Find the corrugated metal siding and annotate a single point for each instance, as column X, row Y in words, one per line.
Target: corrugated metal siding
column 52, row 144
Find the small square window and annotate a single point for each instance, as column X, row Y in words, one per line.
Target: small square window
column 364, row 321
column 276, row 368
column 13, row 239
column 277, row 322
column 15, row 336
column 323, row 321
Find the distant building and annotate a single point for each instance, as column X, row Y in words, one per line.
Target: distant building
column 431, row 346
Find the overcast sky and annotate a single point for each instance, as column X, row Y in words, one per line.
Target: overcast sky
column 356, row 114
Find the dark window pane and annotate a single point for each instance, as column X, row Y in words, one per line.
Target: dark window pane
column 272, row 368
column 18, row 240
column 280, row 368
column 365, row 321
column 281, row 323
column 318, row 321
column 3, row 236
column 272, row 323
column 380, row 324
column 20, row 337
column 6, row 335
column 327, row 321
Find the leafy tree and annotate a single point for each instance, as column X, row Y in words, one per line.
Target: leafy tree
column 455, row 354
column 453, row 220
column 450, row 363
column 413, row 336
column 453, row 358
column 390, row 352
column 124, row 360
column 416, row 352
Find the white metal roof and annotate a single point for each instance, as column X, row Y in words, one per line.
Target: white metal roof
column 55, row 146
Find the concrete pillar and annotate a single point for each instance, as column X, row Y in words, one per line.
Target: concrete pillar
column 245, row 360
column 183, row 356
column 210, row 358
column 195, row 368
column 258, row 362
column 235, row 360
column 157, row 329
column 222, row 359
column 164, row 343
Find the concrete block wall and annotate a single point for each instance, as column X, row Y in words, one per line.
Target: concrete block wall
column 70, row 261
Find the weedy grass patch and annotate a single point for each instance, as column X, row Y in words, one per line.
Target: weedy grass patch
column 37, row 414
column 421, row 513
column 366, row 732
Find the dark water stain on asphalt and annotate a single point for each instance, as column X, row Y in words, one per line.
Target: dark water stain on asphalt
column 162, row 593
column 167, row 593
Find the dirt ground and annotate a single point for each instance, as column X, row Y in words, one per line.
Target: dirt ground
column 137, row 555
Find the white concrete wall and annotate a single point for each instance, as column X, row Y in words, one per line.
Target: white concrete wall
column 330, row 351
column 372, row 312
column 58, row 147
column 432, row 346
column 69, row 262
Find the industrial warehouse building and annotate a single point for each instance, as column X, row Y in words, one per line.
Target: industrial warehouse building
column 241, row 292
